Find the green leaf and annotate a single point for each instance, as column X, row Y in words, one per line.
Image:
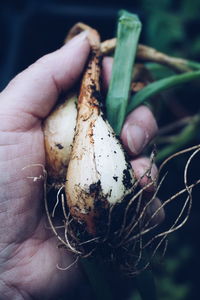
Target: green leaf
column 159, row 86
column 128, row 31
column 186, row 136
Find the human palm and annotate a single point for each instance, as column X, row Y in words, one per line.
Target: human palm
column 28, row 249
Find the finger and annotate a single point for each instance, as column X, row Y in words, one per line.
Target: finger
column 35, row 90
column 138, row 130
column 146, row 172
column 155, row 212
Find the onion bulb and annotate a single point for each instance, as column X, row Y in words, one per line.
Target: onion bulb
column 59, row 130
column 84, row 153
column 98, row 174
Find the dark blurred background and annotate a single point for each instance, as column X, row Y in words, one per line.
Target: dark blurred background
column 32, row 28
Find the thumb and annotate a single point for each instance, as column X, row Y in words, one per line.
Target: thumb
column 33, row 92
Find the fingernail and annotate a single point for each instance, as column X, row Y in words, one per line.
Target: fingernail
column 77, row 39
column 135, row 138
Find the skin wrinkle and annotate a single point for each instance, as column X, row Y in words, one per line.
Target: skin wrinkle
column 11, row 292
column 14, row 208
column 58, row 89
column 17, row 189
column 18, row 123
column 17, row 246
column 28, row 159
column 33, row 251
column 16, row 260
column 17, row 172
column 28, row 266
column 18, row 211
column 6, row 252
column 22, row 232
column 32, row 125
column 13, row 160
column 23, row 121
column 11, row 139
column 21, row 207
column 20, row 137
column 7, row 203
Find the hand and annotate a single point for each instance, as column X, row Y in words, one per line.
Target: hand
column 28, row 250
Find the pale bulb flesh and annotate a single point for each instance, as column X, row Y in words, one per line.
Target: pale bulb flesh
column 59, row 130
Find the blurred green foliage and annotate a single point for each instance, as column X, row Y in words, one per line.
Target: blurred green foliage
column 173, row 27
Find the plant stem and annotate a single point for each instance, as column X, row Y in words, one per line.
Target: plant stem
column 149, row 54
column 187, row 135
column 159, row 86
column 175, row 125
column 193, row 64
column 128, row 32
